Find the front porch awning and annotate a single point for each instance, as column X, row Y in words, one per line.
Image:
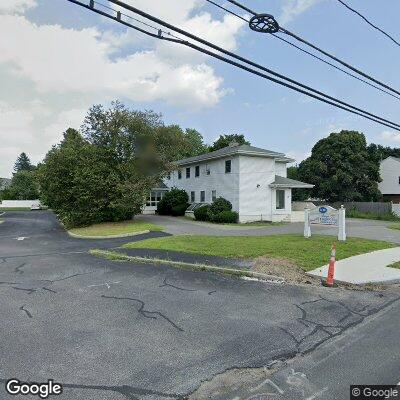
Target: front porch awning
column 281, row 182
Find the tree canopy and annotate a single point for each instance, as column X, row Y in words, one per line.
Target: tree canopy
column 341, row 169
column 106, row 171
column 297, row 194
column 23, row 163
column 23, row 186
column 225, row 140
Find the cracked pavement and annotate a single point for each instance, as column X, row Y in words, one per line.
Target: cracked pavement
column 112, row 330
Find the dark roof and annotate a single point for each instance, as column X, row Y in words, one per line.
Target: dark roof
column 233, row 150
column 161, row 185
column 280, row 181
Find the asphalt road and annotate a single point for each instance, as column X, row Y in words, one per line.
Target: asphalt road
column 111, row 330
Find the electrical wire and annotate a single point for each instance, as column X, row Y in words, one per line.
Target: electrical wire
column 345, row 106
column 369, row 22
column 300, row 39
column 309, row 53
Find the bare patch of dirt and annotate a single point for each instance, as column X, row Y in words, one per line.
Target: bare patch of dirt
column 294, row 274
column 284, row 268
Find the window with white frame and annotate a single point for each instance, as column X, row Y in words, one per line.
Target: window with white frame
column 192, row 197
column 197, row 171
column 280, row 199
column 179, row 174
column 202, row 196
column 188, row 173
column 213, row 195
column 155, row 197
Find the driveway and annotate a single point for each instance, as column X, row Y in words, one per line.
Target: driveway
column 362, row 228
column 111, row 330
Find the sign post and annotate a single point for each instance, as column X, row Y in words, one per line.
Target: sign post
column 325, row 215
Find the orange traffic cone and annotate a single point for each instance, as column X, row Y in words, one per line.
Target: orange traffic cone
column 331, row 270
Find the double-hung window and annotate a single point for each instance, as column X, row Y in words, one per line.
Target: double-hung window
column 197, row 171
column 188, row 173
column 179, row 174
column 280, row 199
column 213, row 195
column 192, row 197
column 202, row 196
column 228, row 166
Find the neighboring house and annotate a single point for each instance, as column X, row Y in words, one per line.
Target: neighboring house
column 4, row 183
column 254, row 180
column 390, row 175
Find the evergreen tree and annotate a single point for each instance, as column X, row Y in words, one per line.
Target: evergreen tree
column 23, row 163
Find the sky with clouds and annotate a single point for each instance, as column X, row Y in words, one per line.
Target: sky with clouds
column 57, row 59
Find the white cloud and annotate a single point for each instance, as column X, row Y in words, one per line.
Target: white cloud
column 390, row 136
column 83, row 65
column 58, row 73
column 16, row 6
column 298, row 156
column 293, row 8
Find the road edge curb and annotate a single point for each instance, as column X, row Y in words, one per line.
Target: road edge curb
column 75, row 235
column 116, row 256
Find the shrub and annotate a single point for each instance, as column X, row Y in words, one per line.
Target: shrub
column 179, row 210
column 219, row 205
column 173, row 202
column 202, row 213
column 226, row 217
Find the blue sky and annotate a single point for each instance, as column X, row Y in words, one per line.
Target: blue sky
column 57, row 59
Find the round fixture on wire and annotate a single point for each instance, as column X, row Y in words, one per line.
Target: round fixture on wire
column 264, row 23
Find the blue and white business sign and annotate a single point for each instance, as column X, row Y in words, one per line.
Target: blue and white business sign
column 324, row 215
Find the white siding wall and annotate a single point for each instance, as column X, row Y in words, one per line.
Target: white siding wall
column 280, row 169
column 246, row 187
column 390, row 173
column 226, row 185
column 255, row 202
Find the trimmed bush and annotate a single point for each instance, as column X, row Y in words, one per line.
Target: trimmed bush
column 179, row 210
column 173, row 202
column 226, row 217
column 202, row 213
column 219, row 205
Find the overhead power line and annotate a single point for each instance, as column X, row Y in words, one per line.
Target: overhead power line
column 305, row 90
column 369, row 22
column 309, row 53
column 300, row 39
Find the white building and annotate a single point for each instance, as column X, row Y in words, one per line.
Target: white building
column 390, row 175
column 254, row 180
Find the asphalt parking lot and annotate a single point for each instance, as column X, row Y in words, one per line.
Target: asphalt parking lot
column 112, row 330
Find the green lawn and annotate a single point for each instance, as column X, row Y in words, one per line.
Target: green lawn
column 395, row 265
column 115, row 228
column 394, row 226
column 306, row 253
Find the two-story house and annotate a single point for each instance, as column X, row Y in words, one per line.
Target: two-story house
column 390, row 175
column 254, row 180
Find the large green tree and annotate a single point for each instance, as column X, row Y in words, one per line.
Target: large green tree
column 379, row 152
column 341, row 169
column 297, row 194
column 225, row 140
column 24, row 186
column 105, row 172
column 23, row 163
